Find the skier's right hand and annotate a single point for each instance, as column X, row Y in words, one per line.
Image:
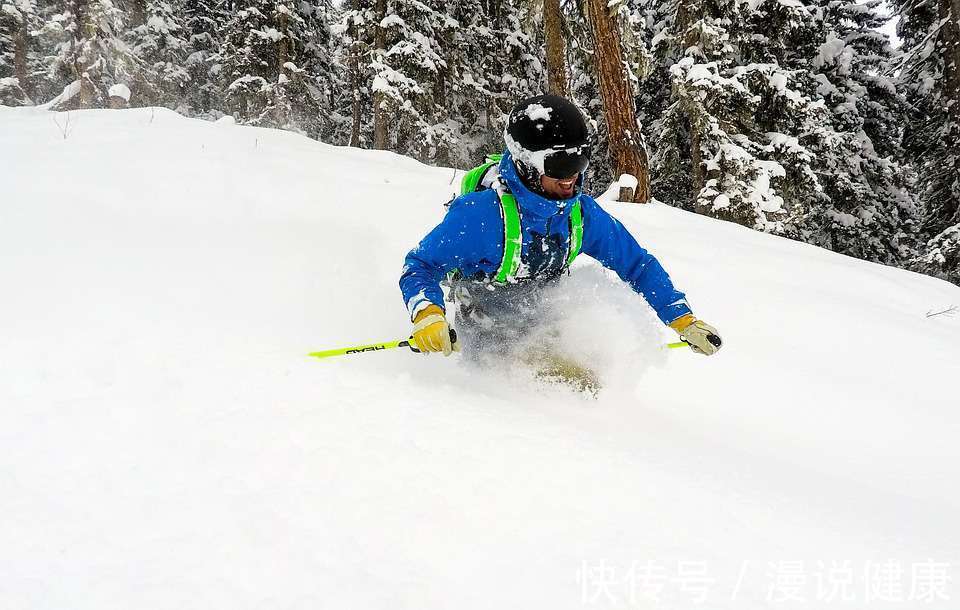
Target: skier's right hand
column 431, row 333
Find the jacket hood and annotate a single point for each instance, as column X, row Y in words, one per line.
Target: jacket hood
column 529, row 201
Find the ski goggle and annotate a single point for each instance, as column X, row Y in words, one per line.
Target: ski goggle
column 567, row 162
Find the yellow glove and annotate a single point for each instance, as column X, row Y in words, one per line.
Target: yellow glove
column 431, row 332
column 702, row 337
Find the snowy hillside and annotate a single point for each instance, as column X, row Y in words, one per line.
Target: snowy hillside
column 166, row 443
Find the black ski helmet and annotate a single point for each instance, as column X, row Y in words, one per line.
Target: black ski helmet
column 547, row 135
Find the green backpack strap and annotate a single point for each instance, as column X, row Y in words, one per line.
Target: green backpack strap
column 576, row 231
column 510, row 212
column 512, row 239
column 471, row 180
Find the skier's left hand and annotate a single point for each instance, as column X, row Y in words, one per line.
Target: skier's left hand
column 703, row 338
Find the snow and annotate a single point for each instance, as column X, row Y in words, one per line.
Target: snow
column 68, row 93
column 167, row 444
column 269, row 34
column 701, row 72
column 721, row 202
column 538, row 112
column 120, row 90
column 834, row 51
column 247, row 80
column 392, row 20
column 158, row 24
column 628, row 181
column 778, row 81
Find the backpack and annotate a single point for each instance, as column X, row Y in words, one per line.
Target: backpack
column 477, row 180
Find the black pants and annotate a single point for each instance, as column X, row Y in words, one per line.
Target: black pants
column 492, row 320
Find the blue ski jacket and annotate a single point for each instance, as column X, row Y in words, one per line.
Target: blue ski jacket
column 470, row 238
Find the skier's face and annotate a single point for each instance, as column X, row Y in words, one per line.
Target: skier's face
column 559, row 188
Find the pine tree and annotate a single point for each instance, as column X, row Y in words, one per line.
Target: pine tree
column 435, row 81
column 17, row 19
column 778, row 117
column 870, row 210
column 406, row 65
column 87, row 50
column 356, row 30
column 266, row 57
column 930, row 77
column 490, row 67
column 713, row 128
column 160, row 42
column 323, row 82
column 204, row 22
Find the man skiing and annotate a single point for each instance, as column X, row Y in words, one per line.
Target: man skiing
column 516, row 231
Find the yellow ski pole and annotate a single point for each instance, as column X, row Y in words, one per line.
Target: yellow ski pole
column 374, row 347
column 361, row 349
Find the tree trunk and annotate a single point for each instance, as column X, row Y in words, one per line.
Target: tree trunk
column 138, row 13
column 556, row 48
column 627, row 151
column 83, row 64
column 354, row 66
column 380, row 135
column 20, row 37
column 283, row 45
column 697, row 167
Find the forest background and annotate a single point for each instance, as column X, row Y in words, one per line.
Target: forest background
column 799, row 118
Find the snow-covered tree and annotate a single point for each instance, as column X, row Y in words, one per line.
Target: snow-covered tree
column 87, row 49
column 870, row 209
column 15, row 23
column 435, row 80
column 930, row 77
column 266, row 59
column 492, row 63
column 161, row 42
column 204, row 22
column 325, row 84
column 407, row 63
column 18, row 19
column 779, row 117
column 712, row 133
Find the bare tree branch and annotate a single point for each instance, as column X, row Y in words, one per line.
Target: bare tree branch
column 950, row 311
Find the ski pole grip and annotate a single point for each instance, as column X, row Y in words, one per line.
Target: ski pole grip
column 413, row 344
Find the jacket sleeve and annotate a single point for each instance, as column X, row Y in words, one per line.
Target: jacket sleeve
column 608, row 241
column 465, row 238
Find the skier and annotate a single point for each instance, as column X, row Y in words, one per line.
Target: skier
column 515, row 232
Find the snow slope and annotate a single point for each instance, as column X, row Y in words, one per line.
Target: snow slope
column 166, row 444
